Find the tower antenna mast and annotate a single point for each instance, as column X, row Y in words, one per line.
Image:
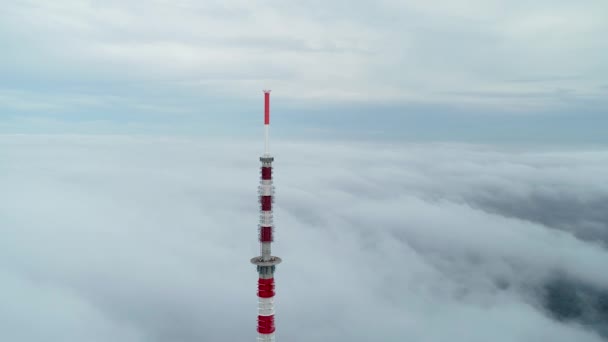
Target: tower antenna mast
column 265, row 262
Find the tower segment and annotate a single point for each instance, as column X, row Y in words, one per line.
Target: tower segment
column 266, row 262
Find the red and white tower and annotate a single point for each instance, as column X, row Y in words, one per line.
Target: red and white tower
column 266, row 263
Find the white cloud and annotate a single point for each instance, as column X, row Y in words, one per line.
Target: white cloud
column 150, row 238
column 404, row 52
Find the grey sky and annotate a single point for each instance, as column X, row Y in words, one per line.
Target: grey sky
column 185, row 66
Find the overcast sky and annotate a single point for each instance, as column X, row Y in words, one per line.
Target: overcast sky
column 451, row 70
column 441, row 169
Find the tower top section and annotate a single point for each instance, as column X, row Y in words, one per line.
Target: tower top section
column 266, row 121
column 266, row 107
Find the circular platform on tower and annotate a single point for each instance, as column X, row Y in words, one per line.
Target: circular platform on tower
column 266, row 159
column 271, row 262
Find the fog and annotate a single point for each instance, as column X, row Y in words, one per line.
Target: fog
column 124, row 238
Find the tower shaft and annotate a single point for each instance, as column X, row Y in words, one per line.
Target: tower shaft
column 266, row 262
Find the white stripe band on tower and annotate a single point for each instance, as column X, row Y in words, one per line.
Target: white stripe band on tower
column 266, row 337
column 266, row 218
column 266, row 189
column 266, row 306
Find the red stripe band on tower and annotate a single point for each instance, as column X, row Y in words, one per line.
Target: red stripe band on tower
column 266, row 324
column 266, row 288
column 266, row 203
column 266, row 173
column 266, row 108
column 265, row 234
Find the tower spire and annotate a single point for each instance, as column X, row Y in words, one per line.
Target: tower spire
column 266, row 121
column 265, row 262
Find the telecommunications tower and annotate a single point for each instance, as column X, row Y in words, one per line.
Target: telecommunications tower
column 266, row 263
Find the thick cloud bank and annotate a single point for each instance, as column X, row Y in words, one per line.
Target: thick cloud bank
column 148, row 239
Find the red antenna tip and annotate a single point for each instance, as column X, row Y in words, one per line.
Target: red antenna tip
column 266, row 107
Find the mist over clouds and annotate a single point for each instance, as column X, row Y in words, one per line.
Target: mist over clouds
column 441, row 169
column 117, row 238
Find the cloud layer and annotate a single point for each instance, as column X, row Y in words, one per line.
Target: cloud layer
column 148, row 239
column 134, row 61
